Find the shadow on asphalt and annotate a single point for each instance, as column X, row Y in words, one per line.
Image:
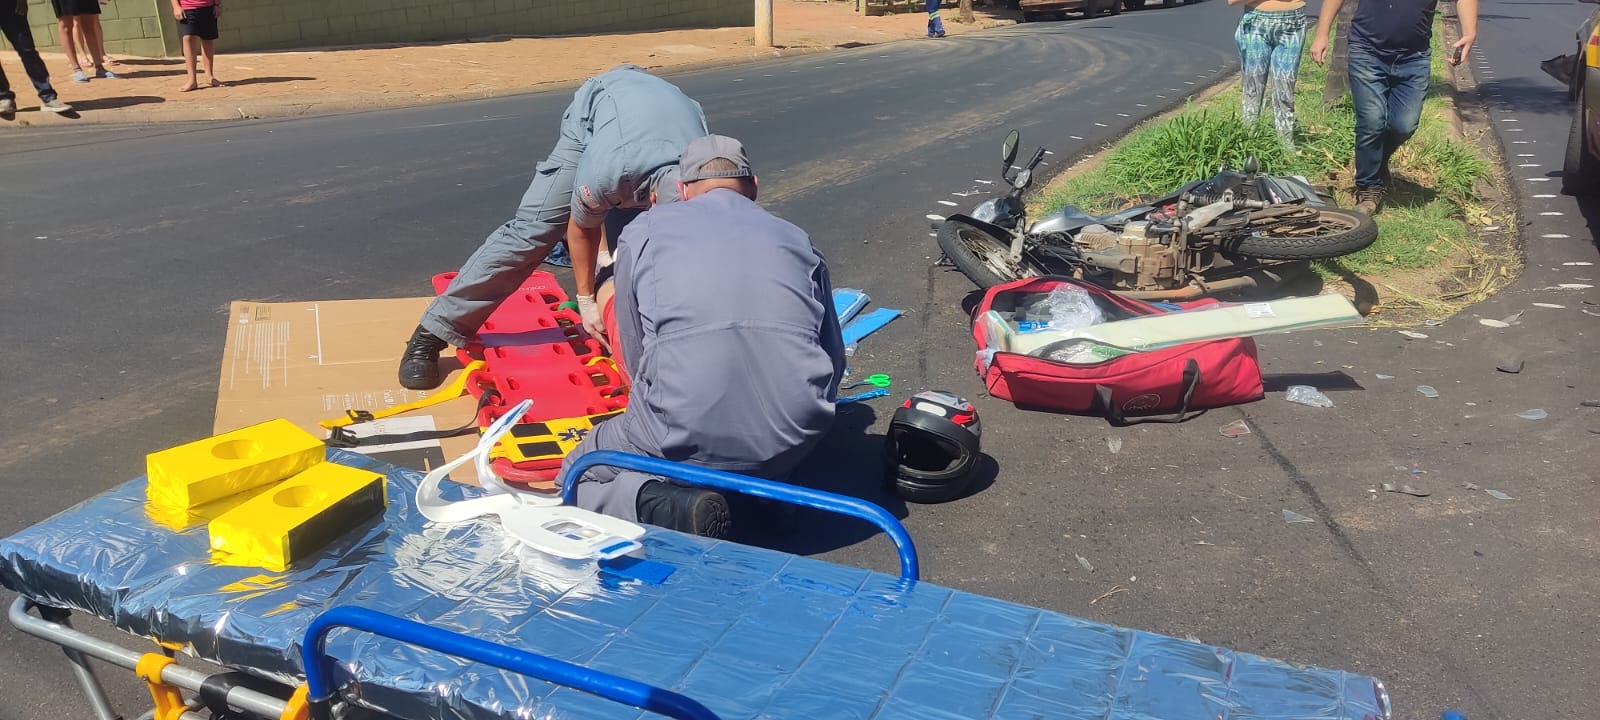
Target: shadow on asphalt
column 1529, row 98
column 1589, row 208
column 114, row 102
column 1337, row 380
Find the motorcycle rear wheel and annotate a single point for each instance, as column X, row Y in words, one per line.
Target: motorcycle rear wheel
column 982, row 257
column 1337, row 233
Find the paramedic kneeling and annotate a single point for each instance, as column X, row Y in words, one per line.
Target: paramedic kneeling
column 725, row 324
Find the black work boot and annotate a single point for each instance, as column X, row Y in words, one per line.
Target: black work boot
column 419, row 366
column 691, row 510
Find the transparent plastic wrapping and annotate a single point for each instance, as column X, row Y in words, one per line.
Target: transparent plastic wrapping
column 751, row 633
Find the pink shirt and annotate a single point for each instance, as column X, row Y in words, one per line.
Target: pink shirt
column 195, row 4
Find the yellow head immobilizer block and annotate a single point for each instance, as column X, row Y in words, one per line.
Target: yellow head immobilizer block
column 189, row 475
column 297, row 518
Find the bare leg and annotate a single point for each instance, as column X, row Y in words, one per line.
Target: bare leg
column 68, row 24
column 209, row 48
column 97, row 40
column 87, row 56
column 189, row 42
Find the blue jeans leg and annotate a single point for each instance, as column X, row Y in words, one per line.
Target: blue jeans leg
column 1388, row 96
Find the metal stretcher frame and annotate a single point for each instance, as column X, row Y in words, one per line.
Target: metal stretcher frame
column 318, row 694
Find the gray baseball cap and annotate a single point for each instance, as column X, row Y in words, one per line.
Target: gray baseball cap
column 712, row 147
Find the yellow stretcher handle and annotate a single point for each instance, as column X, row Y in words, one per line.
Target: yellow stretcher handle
column 455, row 389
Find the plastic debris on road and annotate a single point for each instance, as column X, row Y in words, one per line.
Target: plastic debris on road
column 1496, row 494
column 1534, row 414
column 1307, row 395
column 1290, row 516
column 1114, row 444
column 1084, row 563
column 1493, row 323
column 1237, row 428
column 1381, row 376
column 1510, row 365
column 1427, row 391
column 1405, row 490
column 1413, row 335
column 1551, row 306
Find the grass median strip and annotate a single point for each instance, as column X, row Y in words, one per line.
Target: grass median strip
column 1423, row 225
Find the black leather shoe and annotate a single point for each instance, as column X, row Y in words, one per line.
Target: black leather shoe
column 419, row 366
column 691, row 510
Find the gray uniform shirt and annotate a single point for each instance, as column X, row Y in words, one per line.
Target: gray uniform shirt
column 631, row 125
column 725, row 316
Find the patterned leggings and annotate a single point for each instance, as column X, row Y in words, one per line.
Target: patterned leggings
column 1269, row 45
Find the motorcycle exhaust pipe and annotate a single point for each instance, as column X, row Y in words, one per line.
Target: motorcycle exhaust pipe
column 1192, row 291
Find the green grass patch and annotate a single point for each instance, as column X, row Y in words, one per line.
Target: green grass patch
column 1422, row 223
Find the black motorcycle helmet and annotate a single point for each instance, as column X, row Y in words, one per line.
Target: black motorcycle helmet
column 931, row 451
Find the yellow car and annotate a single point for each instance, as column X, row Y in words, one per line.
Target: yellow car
column 1582, row 165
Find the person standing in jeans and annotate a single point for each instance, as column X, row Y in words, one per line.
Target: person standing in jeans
column 935, row 25
column 1270, row 37
column 1390, row 66
column 14, row 23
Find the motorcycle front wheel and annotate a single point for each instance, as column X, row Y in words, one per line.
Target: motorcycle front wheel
column 982, row 257
column 1331, row 233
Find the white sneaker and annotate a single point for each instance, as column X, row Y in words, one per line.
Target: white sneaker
column 8, row 106
column 56, row 106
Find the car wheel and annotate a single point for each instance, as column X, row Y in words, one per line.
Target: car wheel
column 1029, row 17
column 1169, row 3
column 1579, row 167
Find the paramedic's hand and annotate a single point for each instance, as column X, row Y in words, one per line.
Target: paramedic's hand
column 592, row 320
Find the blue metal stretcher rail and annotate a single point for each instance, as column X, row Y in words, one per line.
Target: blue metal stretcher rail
column 747, row 632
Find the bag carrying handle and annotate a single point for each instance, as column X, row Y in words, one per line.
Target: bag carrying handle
column 1113, row 414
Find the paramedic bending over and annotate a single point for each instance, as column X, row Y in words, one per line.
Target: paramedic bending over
column 623, row 130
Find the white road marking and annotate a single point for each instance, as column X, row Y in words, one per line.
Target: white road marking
column 1579, row 263
column 1544, row 196
column 1552, row 213
column 1524, row 154
column 1122, row 115
column 947, row 202
column 1508, row 120
column 935, row 218
column 1537, row 179
column 1074, row 137
column 1555, row 236
column 1529, row 165
column 1141, row 105
column 1101, row 125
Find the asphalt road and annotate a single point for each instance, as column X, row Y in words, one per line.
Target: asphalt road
column 121, row 247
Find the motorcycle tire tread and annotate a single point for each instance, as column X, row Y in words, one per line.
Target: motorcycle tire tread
column 1320, row 247
column 979, row 273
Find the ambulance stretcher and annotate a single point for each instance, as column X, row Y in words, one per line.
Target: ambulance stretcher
column 420, row 620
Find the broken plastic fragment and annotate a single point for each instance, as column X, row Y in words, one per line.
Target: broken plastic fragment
column 1413, row 335
column 1471, row 486
column 1290, row 516
column 1534, row 414
column 1511, row 365
column 1085, row 563
column 1307, row 395
column 1382, row 376
column 1114, row 444
column 1493, row 323
column 1427, row 391
column 1496, row 494
column 1552, row 306
column 1405, row 490
column 1235, row 429
column 1513, row 318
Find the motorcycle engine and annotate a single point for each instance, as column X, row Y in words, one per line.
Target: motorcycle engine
column 1134, row 259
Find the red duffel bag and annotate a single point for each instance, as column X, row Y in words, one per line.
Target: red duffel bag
column 1166, row 385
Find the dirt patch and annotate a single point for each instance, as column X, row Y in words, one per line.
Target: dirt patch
column 288, row 83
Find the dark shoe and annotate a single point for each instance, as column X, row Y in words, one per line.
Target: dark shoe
column 690, row 510
column 419, row 366
column 1369, row 199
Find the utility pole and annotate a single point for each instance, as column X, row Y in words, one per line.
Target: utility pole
column 764, row 23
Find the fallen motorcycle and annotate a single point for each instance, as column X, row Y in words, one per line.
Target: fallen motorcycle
column 1233, row 231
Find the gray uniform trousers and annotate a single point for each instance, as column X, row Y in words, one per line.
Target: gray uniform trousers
column 505, row 259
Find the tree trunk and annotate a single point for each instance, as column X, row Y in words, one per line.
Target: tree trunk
column 1338, row 83
column 966, row 12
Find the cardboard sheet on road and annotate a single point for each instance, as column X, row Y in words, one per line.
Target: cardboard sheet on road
column 312, row 361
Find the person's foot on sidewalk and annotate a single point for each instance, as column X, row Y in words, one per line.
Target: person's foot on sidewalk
column 79, row 76
column 107, row 74
column 55, row 106
column 419, row 366
column 696, row 511
column 8, row 107
column 190, row 86
column 1369, row 199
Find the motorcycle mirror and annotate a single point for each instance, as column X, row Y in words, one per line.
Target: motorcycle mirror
column 1008, row 149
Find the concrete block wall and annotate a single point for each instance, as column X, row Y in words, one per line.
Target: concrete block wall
column 312, row 23
column 132, row 27
column 146, row 27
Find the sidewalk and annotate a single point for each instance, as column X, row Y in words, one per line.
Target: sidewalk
column 289, row 83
